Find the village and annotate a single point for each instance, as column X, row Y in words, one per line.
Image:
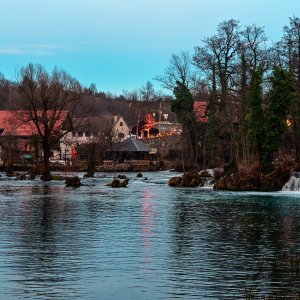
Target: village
column 94, row 143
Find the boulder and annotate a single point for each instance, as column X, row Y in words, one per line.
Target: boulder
column 21, row 177
column 118, row 183
column 89, row 175
column 189, row 179
column 73, row 181
column 10, row 173
column 139, row 175
column 175, row 181
column 32, row 175
column 46, row 177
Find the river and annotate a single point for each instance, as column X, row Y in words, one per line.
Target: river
column 146, row 241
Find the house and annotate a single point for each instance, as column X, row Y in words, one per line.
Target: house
column 19, row 137
column 150, row 128
column 99, row 129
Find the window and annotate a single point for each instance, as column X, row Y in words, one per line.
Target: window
column 74, row 134
column 121, row 124
column 87, row 134
column 121, row 135
column 80, row 134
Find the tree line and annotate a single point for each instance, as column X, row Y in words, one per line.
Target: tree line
column 252, row 90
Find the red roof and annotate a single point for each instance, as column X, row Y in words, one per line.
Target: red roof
column 200, row 109
column 13, row 122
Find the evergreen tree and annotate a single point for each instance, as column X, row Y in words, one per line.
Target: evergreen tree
column 281, row 95
column 183, row 106
column 255, row 118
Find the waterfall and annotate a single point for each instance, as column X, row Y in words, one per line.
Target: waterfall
column 208, row 182
column 293, row 183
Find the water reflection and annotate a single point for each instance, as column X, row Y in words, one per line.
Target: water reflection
column 42, row 254
column 147, row 215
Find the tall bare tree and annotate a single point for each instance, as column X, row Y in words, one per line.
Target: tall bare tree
column 45, row 98
column 180, row 70
column 218, row 55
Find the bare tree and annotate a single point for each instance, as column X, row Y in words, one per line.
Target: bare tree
column 179, row 70
column 45, row 98
column 218, row 56
column 147, row 92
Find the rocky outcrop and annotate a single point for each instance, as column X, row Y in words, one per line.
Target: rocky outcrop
column 175, row 181
column 189, row 179
column 254, row 180
column 205, row 173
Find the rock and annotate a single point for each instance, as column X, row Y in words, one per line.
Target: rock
column 10, row 173
column 256, row 180
column 46, row 177
column 32, row 175
column 21, row 177
column 218, row 173
column 139, row 175
column 118, row 183
column 205, row 173
column 191, row 179
column 175, row 181
column 122, row 176
column 73, row 181
column 89, row 175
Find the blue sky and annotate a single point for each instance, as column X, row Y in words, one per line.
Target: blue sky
column 120, row 44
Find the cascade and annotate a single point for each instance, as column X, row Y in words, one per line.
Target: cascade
column 293, row 183
column 208, row 182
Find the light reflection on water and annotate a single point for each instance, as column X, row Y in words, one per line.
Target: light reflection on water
column 148, row 241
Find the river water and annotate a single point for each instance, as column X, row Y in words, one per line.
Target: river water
column 146, row 241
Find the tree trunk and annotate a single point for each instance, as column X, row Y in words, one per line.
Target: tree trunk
column 46, row 176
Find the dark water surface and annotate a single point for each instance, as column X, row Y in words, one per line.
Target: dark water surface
column 148, row 241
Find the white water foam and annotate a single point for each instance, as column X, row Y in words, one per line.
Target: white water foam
column 293, row 183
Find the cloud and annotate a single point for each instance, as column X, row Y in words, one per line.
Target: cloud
column 37, row 49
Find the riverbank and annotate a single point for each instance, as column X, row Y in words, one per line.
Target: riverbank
column 107, row 166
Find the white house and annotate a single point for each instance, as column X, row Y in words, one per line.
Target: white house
column 99, row 128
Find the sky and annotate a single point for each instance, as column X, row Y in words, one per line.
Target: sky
column 121, row 44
